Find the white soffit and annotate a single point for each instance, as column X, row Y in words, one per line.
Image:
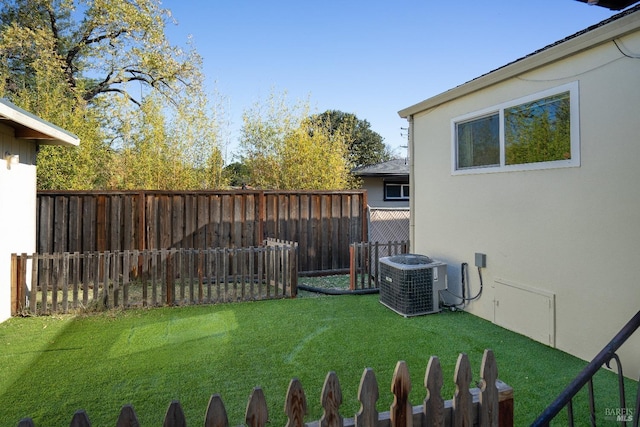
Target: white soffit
column 29, row 126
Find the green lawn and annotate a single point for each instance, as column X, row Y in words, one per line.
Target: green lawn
column 52, row 366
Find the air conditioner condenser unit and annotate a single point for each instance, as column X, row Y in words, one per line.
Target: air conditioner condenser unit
column 410, row 284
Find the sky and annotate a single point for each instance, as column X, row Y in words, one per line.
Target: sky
column 370, row 58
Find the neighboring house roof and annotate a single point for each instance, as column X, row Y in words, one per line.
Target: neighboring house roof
column 396, row 167
column 608, row 30
column 29, row 126
column 611, row 4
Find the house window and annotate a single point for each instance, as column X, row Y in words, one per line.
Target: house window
column 536, row 132
column 479, row 142
column 396, row 191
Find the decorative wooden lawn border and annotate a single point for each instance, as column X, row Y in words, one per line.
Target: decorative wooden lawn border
column 489, row 405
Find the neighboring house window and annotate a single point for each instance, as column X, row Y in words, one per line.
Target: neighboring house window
column 396, row 191
column 536, row 132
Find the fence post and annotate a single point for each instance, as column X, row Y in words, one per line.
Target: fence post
column 201, row 257
column 376, row 267
column 505, row 411
column 168, row 277
column 352, row 266
column 65, row 282
column 294, row 268
column 76, row 278
column 15, row 287
column 363, row 255
column 55, row 282
column 33, row 302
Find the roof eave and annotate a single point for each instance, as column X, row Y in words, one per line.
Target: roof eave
column 597, row 36
column 30, row 127
column 383, row 175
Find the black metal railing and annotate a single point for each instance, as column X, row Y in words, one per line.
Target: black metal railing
column 606, row 355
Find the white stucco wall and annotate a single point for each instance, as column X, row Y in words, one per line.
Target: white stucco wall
column 562, row 245
column 17, row 209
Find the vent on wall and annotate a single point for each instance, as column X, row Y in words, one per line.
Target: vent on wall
column 410, row 284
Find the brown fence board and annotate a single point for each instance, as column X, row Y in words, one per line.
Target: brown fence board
column 213, row 232
column 225, row 221
column 61, row 224
column 336, row 233
column 75, row 224
column 303, row 227
column 238, row 220
column 323, row 223
column 89, row 207
column 202, row 221
column 164, row 222
column 150, row 224
column 325, row 230
column 101, row 224
column 177, row 221
column 315, row 218
column 114, row 219
column 190, row 220
column 249, row 234
column 44, row 224
column 129, row 225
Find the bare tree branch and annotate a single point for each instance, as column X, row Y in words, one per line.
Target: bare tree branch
column 123, row 93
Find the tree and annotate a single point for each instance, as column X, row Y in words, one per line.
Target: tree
column 116, row 42
column 314, row 158
column 365, row 147
column 284, row 149
column 84, row 64
column 237, row 174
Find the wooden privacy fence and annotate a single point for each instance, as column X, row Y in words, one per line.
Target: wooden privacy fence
column 365, row 261
column 489, row 405
column 323, row 223
column 52, row 283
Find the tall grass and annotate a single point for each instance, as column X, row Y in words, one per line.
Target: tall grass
column 52, row 366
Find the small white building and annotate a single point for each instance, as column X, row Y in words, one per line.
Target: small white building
column 535, row 166
column 21, row 133
column 387, row 183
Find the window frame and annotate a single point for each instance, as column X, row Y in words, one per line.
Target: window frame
column 574, row 126
column 402, row 186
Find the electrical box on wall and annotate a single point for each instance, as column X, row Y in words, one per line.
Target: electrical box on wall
column 481, row 260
